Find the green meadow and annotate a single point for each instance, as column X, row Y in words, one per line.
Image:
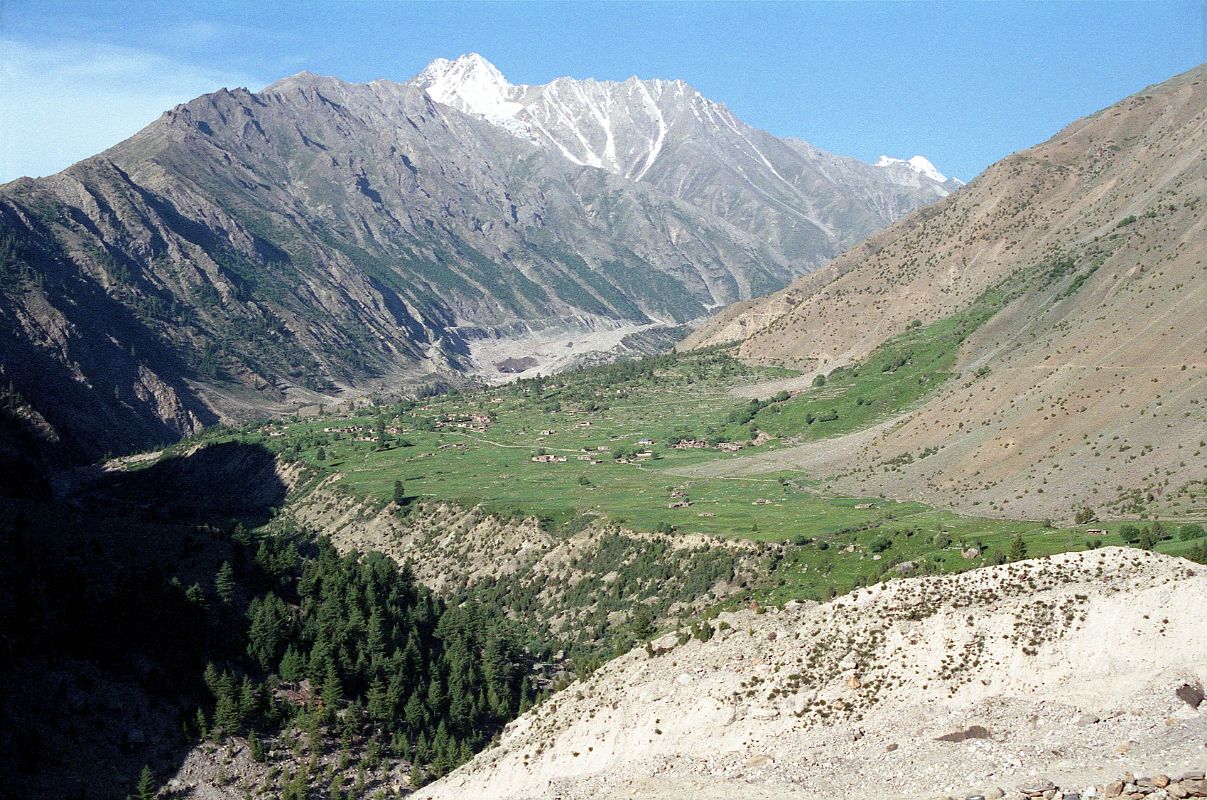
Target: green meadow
column 615, row 427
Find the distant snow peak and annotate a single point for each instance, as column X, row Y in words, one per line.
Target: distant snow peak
column 471, row 84
column 919, row 164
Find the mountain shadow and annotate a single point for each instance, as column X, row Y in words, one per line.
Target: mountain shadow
column 110, row 609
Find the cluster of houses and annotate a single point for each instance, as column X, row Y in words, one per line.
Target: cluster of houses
column 549, row 459
column 700, row 444
column 360, row 433
column 679, row 499
column 478, row 423
column 344, row 429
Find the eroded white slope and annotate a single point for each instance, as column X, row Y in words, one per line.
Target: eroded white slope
column 1068, row 665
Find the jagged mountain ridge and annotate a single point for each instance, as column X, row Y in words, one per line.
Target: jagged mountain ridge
column 320, row 240
column 665, row 133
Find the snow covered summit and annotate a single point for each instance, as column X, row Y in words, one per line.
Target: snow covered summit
column 471, row 84
column 920, row 165
column 665, row 134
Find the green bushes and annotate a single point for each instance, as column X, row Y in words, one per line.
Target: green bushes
column 1191, row 531
column 1198, row 553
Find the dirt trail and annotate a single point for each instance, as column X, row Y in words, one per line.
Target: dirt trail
column 817, row 457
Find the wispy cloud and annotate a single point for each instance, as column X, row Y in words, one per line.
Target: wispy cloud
column 63, row 102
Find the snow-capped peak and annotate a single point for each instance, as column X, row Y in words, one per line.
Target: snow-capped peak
column 919, row 164
column 471, row 84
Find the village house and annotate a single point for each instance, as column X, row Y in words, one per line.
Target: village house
column 549, row 459
column 689, row 444
column 729, row 447
column 680, row 504
column 345, row 429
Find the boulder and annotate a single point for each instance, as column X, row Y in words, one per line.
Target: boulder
column 664, row 644
column 1194, row 788
column 971, row 732
column 1035, row 788
column 1190, row 694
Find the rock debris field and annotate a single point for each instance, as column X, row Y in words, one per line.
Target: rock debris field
column 1079, row 675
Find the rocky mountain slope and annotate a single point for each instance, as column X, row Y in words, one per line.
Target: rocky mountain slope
column 1088, row 382
column 319, row 240
column 1068, row 669
column 806, row 203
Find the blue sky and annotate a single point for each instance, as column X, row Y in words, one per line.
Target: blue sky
column 961, row 83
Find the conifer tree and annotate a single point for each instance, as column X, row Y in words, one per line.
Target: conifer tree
column 226, row 709
column 332, row 690
column 224, row 583
column 146, row 784
column 203, row 727
column 249, row 701
column 292, row 667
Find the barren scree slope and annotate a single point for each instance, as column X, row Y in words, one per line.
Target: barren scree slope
column 1088, row 384
column 1064, row 668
